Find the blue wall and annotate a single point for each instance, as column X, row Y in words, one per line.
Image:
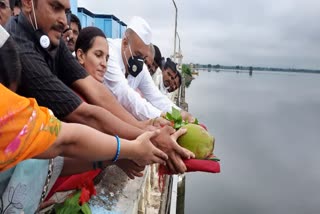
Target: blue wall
column 109, row 24
column 86, row 17
column 123, row 28
column 74, row 6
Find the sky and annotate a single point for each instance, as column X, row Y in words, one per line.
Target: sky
column 268, row 33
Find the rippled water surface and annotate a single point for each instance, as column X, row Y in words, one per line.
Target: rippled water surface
column 267, row 130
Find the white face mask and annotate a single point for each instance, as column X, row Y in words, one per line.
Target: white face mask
column 42, row 37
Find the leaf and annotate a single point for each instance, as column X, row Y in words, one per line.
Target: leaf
column 85, row 209
column 67, row 209
column 71, row 205
column 196, row 121
column 169, row 116
column 74, row 200
column 176, row 114
column 177, row 126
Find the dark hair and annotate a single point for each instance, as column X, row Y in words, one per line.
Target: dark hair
column 10, row 66
column 174, row 67
column 157, row 56
column 86, row 38
column 15, row 3
column 76, row 20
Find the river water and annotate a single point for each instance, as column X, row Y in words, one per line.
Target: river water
column 267, row 129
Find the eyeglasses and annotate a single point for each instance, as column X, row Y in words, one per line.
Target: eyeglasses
column 3, row 5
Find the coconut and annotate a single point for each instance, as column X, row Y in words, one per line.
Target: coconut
column 197, row 140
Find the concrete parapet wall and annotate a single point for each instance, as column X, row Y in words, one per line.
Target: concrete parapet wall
column 116, row 193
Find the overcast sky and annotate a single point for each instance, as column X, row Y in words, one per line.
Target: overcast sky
column 275, row 33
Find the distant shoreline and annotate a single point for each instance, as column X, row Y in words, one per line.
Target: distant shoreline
column 248, row 68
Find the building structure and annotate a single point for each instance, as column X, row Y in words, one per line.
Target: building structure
column 111, row 25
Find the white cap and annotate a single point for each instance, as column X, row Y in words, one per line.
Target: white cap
column 141, row 28
column 4, row 35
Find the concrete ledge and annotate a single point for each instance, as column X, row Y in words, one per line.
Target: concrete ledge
column 116, row 193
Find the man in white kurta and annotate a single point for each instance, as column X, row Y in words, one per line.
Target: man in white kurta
column 153, row 103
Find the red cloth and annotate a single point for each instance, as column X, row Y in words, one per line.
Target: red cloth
column 194, row 165
column 73, row 182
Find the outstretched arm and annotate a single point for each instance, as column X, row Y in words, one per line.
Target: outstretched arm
column 101, row 119
column 97, row 94
column 82, row 142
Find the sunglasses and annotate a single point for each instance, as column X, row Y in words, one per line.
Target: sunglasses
column 3, row 5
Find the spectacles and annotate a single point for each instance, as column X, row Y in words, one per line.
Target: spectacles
column 3, row 5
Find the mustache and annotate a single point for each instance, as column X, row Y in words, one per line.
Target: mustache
column 58, row 27
column 70, row 40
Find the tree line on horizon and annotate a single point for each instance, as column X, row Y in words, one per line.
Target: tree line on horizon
column 239, row 67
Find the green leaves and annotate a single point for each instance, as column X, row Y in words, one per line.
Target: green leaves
column 71, row 205
column 176, row 118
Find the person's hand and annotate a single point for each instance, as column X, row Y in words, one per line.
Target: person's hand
column 160, row 122
column 150, row 128
column 166, row 141
column 130, row 168
column 187, row 116
column 145, row 152
column 147, row 125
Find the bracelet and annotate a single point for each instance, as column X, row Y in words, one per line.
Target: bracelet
column 118, row 149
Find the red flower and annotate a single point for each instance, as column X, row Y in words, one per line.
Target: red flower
column 85, row 196
column 86, row 192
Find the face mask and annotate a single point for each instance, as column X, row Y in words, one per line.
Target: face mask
column 135, row 64
column 40, row 35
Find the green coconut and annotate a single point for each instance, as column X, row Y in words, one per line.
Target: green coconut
column 197, row 140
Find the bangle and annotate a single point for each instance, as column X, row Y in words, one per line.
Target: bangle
column 118, row 149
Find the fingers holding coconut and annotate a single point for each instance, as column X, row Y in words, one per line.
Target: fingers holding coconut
column 146, row 152
column 179, row 164
column 188, row 154
column 175, row 164
column 178, row 133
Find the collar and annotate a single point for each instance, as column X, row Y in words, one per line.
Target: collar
column 115, row 46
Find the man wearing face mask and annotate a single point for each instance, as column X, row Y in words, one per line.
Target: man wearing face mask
column 126, row 73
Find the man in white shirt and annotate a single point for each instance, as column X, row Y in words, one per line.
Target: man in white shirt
column 127, row 58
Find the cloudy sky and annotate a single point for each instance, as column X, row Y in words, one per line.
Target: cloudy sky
column 271, row 33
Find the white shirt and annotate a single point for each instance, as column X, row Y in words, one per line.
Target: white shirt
column 157, row 78
column 125, row 89
column 144, row 83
